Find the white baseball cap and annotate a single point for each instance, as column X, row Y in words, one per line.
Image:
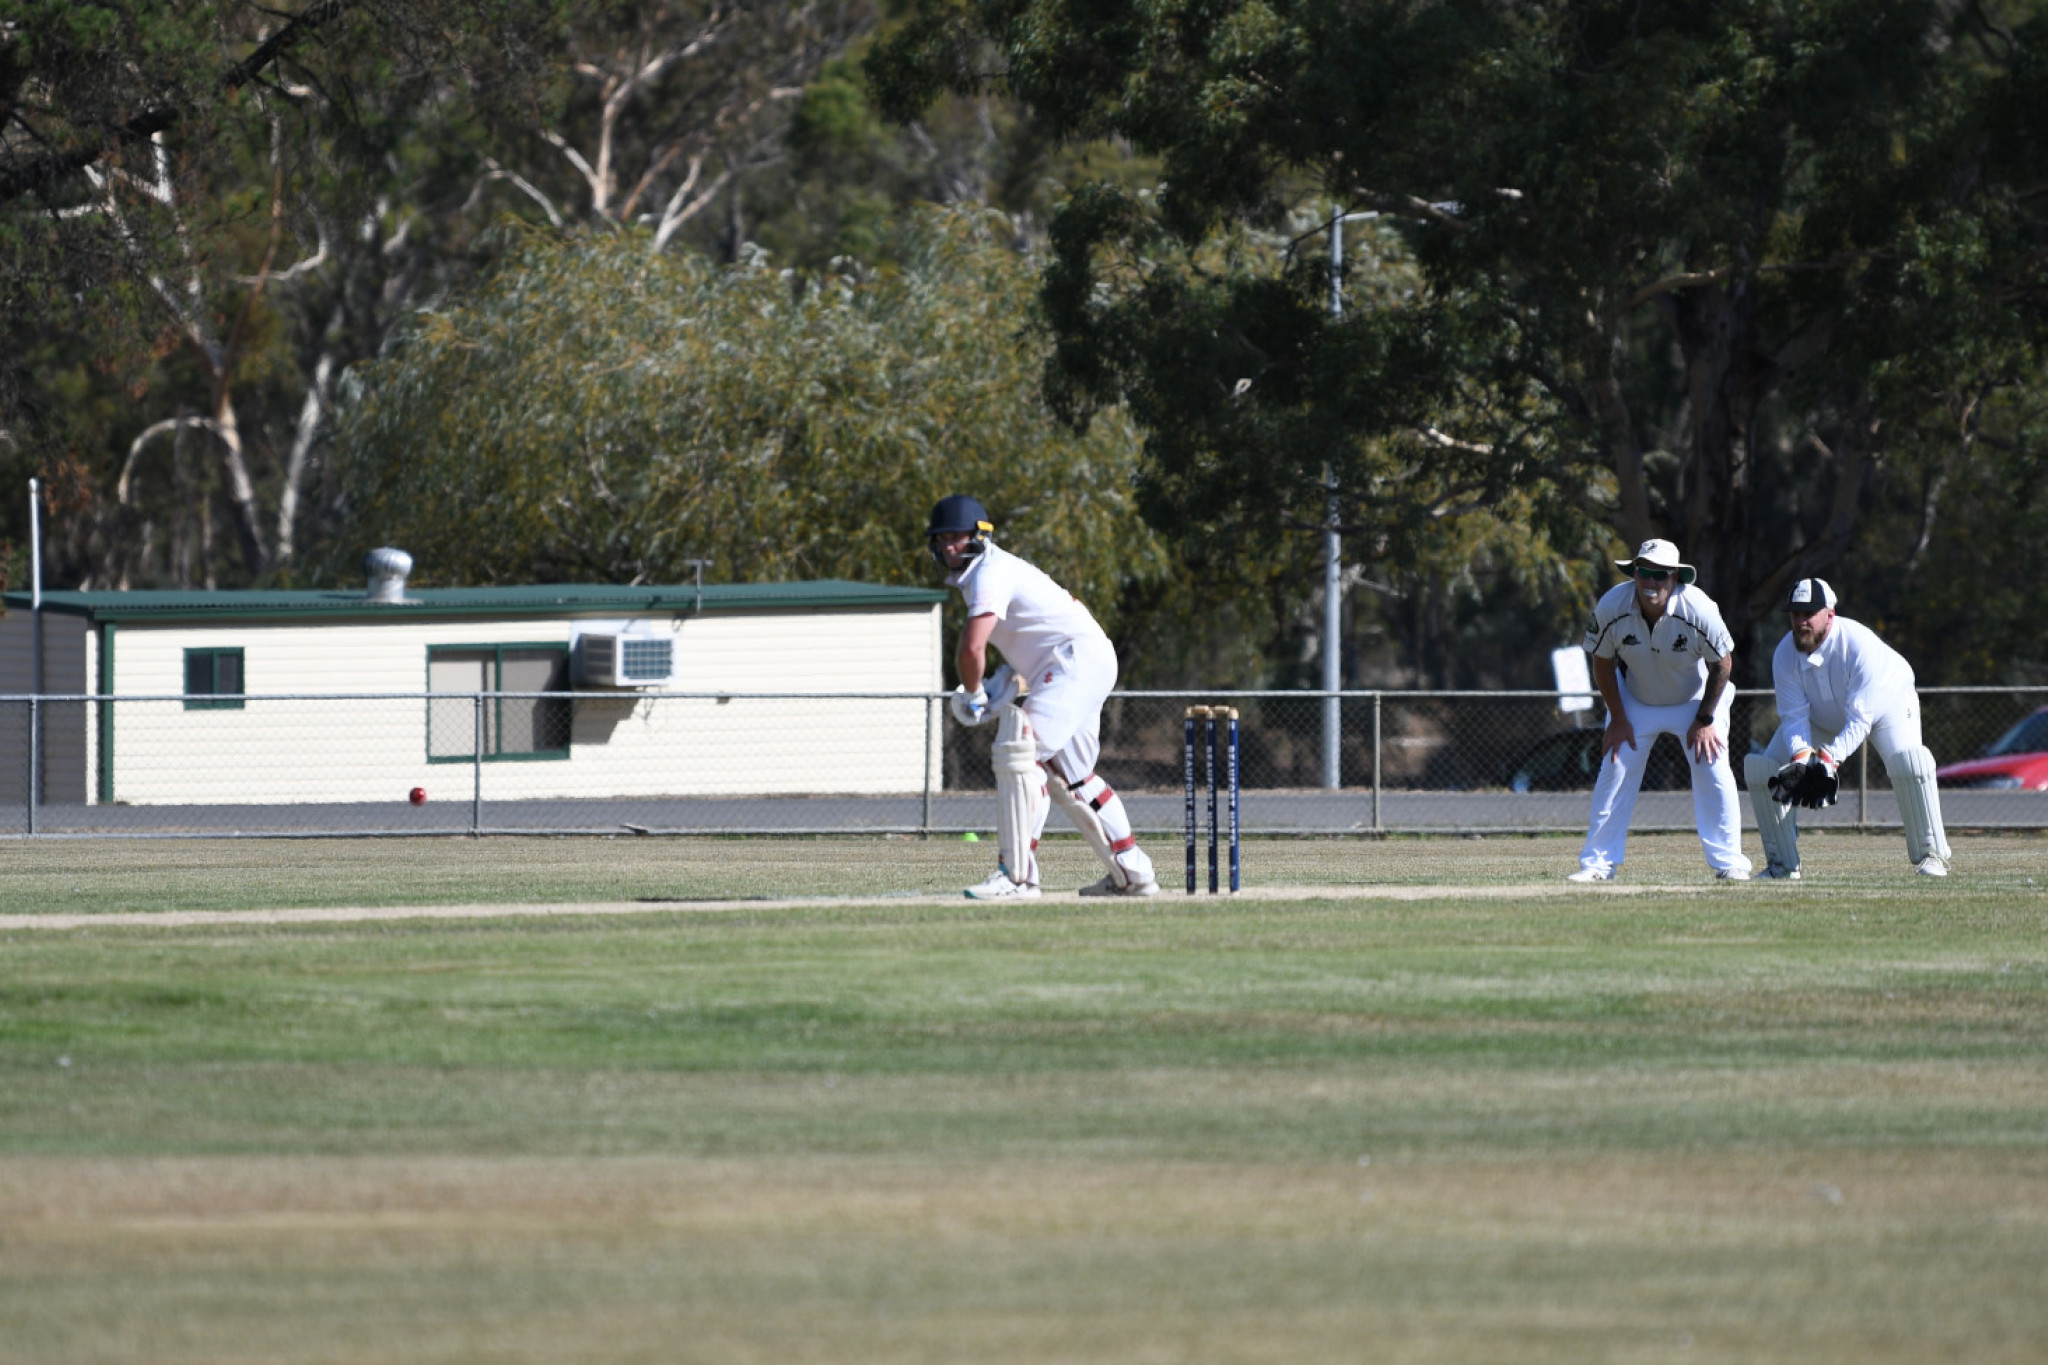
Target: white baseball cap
column 1658, row 554
column 1811, row 594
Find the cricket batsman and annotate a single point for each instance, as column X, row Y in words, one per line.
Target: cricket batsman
column 1838, row 684
column 1048, row 739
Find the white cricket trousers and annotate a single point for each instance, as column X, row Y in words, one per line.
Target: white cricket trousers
column 1065, row 705
column 1716, row 810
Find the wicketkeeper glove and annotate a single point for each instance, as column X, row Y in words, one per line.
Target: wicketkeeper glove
column 1784, row 783
column 1809, row 780
column 1819, row 786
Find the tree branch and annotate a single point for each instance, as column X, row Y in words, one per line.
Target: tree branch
column 681, row 207
column 41, row 174
column 519, row 181
column 1409, row 206
column 1694, row 279
column 123, row 484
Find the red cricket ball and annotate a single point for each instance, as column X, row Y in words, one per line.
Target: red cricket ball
column 418, row 796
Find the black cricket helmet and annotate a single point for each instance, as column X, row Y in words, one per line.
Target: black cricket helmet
column 953, row 514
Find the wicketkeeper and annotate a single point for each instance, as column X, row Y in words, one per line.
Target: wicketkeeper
column 1047, row 742
column 1838, row 684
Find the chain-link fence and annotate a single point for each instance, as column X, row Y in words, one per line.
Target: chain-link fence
column 605, row 762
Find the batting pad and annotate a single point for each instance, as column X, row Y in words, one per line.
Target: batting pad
column 1087, row 821
column 1912, row 773
column 1021, row 804
column 1777, row 826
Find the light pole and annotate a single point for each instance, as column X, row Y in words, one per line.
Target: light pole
column 35, row 705
column 1333, row 548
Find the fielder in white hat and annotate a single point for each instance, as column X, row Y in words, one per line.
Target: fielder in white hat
column 1838, row 684
column 1662, row 659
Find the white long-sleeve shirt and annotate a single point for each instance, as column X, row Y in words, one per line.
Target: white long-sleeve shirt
column 1850, row 681
column 1034, row 615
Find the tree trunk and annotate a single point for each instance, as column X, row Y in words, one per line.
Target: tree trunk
column 1725, row 384
column 304, row 434
column 1632, row 517
column 241, row 490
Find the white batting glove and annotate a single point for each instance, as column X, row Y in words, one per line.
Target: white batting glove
column 969, row 708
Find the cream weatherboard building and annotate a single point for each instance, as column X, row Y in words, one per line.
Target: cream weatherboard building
column 334, row 697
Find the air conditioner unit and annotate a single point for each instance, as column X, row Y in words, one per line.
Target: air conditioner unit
column 625, row 660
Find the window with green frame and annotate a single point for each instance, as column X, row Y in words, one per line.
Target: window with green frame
column 513, row 727
column 213, row 673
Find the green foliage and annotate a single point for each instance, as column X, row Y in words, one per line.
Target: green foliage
column 1956, row 551
column 204, row 205
column 1670, row 262
column 849, row 175
column 599, row 413
column 1763, row 277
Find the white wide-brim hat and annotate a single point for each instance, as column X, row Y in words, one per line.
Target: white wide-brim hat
column 1659, row 554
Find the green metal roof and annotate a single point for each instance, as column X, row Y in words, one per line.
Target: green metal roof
column 544, row 599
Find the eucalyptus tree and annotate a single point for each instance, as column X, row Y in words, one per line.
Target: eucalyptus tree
column 1718, row 272
column 209, row 211
column 205, row 211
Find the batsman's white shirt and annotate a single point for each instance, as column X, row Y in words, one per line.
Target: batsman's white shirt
column 1034, row 615
column 1666, row 663
column 1833, row 696
column 1054, row 643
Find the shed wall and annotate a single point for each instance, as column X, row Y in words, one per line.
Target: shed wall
column 68, row 660
column 621, row 743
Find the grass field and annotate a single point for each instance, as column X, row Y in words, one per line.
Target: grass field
column 789, row 1101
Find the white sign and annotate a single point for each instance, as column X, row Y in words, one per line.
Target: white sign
column 1569, row 667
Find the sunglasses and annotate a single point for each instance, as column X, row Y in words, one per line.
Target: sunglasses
column 1654, row 575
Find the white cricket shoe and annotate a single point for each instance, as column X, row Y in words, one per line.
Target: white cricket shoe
column 1592, row 874
column 1931, row 866
column 1730, row 874
column 999, row 887
column 1108, row 886
column 1776, row 873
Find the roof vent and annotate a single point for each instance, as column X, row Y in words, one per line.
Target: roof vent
column 387, row 568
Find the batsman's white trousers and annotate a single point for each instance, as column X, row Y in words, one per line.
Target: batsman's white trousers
column 1065, row 705
column 1891, row 733
column 1716, row 809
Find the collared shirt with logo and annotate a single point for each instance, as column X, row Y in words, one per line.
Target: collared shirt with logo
column 1665, row 662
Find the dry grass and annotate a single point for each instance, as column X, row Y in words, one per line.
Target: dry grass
column 1752, row 1256
column 1435, row 1107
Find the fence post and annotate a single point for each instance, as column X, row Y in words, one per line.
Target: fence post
column 35, row 755
column 1333, row 731
column 930, row 707
column 1376, row 829
column 1863, row 788
column 476, row 797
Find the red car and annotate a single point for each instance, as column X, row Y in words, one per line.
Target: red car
column 2017, row 759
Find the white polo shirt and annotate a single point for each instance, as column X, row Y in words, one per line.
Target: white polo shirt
column 1850, row 681
column 1034, row 615
column 1666, row 663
